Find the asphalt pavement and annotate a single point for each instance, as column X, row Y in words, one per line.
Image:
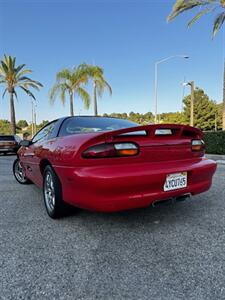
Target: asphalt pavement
column 167, row 252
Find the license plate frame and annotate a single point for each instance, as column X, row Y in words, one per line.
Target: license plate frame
column 175, row 181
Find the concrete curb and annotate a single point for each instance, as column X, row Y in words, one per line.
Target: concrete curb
column 220, row 159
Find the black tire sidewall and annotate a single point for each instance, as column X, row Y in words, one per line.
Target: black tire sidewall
column 59, row 204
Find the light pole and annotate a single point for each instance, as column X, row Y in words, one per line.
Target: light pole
column 192, row 85
column 33, row 117
column 156, row 79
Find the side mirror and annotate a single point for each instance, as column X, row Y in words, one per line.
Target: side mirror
column 25, row 143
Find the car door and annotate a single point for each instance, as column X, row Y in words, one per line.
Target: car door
column 37, row 151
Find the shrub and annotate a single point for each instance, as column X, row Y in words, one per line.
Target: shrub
column 215, row 142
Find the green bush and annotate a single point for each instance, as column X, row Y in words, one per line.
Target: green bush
column 215, row 142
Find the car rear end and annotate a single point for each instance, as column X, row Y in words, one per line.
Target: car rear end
column 9, row 144
column 136, row 167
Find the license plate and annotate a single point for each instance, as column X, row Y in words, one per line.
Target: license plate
column 175, row 181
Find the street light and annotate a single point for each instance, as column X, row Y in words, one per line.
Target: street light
column 156, row 79
column 192, row 85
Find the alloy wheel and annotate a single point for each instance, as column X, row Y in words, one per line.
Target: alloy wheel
column 49, row 192
column 19, row 172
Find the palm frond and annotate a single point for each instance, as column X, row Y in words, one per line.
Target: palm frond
column 14, row 62
column 101, row 84
column 64, row 74
column 15, row 93
column 83, row 94
column 19, row 68
column 29, row 80
column 58, row 89
column 13, row 77
column 79, row 77
column 28, row 84
column 23, row 72
column 10, row 63
column 54, row 92
column 2, row 72
column 183, row 5
column 3, row 95
column 63, row 94
column 4, row 67
column 108, row 87
column 220, row 19
column 29, row 93
column 6, row 59
column 198, row 16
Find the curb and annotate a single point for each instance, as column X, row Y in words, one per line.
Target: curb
column 220, row 159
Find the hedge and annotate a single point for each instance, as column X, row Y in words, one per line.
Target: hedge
column 215, row 142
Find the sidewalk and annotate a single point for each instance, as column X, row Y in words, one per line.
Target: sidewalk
column 220, row 159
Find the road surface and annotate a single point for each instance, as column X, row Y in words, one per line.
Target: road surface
column 167, row 252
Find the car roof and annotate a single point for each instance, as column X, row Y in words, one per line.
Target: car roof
column 87, row 116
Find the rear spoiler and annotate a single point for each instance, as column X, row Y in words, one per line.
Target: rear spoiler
column 177, row 131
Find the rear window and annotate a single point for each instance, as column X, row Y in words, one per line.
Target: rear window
column 78, row 125
column 7, row 138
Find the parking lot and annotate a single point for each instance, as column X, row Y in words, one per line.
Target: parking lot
column 168, row 252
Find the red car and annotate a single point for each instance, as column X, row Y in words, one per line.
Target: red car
column 109, row 164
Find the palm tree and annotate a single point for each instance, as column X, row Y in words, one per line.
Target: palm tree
column 206, row 6
column 99, row 83
column 13, row 77
column 71, row 82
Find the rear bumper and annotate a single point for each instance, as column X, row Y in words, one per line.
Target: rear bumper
column 115, row 188
column 14, row 149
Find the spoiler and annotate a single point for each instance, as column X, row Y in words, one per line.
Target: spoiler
column 151, row 131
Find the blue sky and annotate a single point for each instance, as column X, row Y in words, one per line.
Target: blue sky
column 124, row 37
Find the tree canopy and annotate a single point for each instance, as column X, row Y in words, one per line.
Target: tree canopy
column 71, row 82
column 15, row 77
column 207, row 113
column 22, row 124
column 217, row 7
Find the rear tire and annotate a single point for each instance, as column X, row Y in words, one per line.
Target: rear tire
column 19, row 173
column 52, row 194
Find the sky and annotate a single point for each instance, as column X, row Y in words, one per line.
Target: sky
column 125, row 37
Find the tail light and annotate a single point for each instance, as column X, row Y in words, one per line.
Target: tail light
column 111, row 150
column 197, row 145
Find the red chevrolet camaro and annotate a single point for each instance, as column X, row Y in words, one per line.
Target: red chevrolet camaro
column 109, row 164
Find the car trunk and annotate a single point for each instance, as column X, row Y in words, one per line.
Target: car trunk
column 157, row 143
column 163, row 143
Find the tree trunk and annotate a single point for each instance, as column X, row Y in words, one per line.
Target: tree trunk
column 95, row 100
column 71, row 105
column 224, row 98
column 12, row 113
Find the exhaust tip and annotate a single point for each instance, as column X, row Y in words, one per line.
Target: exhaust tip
column 171, row 200
column 162, row 202
column 183, row 198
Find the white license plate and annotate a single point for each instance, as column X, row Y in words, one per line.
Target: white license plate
column 175, row 181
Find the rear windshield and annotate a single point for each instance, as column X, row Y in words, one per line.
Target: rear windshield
column 77, row 125
column 7, row 138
